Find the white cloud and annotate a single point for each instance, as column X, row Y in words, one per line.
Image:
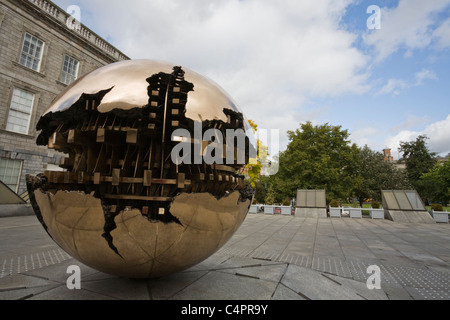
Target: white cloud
column 271, row 56
column 364, row 136
column 442, row 34
column 395, row 86
column 438, row 134
column 409, row 123
column 425, row 74
column 410, row 26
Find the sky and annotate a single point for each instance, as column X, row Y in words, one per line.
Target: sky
column 382, row 74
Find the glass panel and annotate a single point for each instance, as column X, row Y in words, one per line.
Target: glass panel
column 10, row 172
column 23, row 59
column 321, row 201
column 32, row 50
column 301, row 198
column 391, row 202
column 20, row 111
column 70, row 70
column 415, row 200
column 402, row 200
column 311, row 199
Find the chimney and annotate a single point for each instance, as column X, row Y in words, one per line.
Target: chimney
column 387, row 155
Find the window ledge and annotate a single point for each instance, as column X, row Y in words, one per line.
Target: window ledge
column 28, row 69
column 61, row 83
column 23, row 135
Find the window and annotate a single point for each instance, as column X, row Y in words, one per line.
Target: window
column 20, row 111
column 70, row 70
column 10, row 172
column 32, row 51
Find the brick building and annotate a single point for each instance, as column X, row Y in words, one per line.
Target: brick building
column 42, row 51
column 387, row 155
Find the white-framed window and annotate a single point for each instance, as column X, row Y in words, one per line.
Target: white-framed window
column 10, row 172
column 20, row 111
column 70, row 70
column 32, row 51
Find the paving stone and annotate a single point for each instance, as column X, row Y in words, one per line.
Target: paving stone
column 218, row 285
column 360, row 288
column 119, row 288
column 62, row 293
column 167, row 287
column 270, row 257
column 19, row 286
column 396, row 292
column 23, row 294
column 314, row 285
column 253, row 268
column 58, row 272
column 284, row 293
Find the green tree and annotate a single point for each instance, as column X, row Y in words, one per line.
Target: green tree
column 317, row 157
column 270, row 196
column 437, row 182
column 419, row 160
column 261, row 189
column 376, row 175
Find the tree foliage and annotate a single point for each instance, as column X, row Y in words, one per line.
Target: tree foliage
column 437, row 182
column 261, row 189
column 376, row 175
column 317, row 157
column 417, row 157
column 253, row 169
column 419, row 160
column 323, row 157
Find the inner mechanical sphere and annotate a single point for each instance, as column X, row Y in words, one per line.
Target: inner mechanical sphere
column 151, row 179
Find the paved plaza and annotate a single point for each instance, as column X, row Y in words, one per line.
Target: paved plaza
column 271, row 257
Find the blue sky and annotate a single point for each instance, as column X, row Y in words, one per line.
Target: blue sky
column 290, row 61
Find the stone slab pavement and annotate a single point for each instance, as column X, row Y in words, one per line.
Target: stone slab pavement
column 271, row 257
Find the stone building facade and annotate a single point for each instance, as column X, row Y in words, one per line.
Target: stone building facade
column 42, row 50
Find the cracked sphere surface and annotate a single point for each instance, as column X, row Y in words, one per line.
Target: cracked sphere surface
column 145, row 189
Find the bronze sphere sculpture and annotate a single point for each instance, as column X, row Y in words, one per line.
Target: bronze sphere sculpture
column 145, row 191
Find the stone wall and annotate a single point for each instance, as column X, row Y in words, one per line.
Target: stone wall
column 46, row 21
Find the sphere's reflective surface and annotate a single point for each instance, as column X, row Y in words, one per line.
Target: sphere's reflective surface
column 123, row 205
column 129, row 90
